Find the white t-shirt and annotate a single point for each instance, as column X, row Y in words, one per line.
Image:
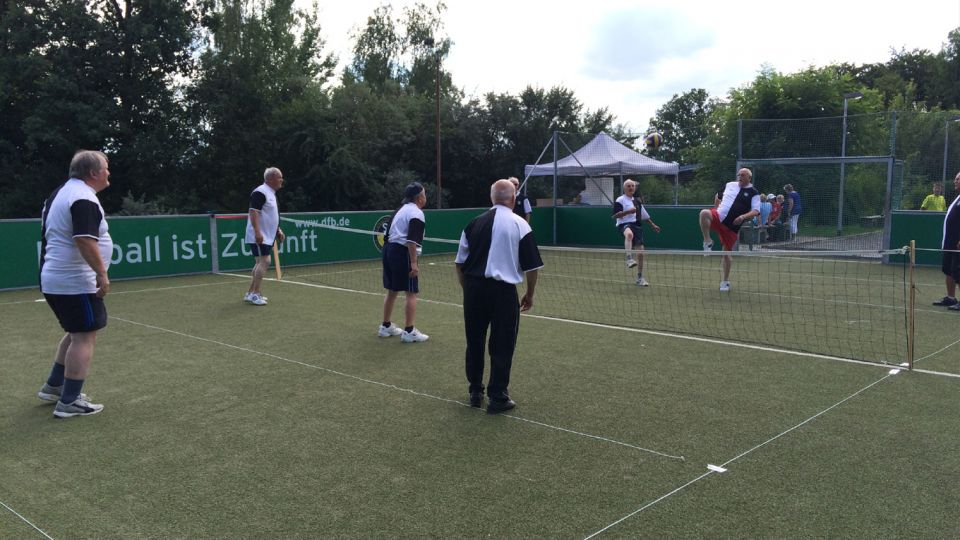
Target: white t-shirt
column 73, row 210
column 407, row 225
column 627, row 203
column 264, row 200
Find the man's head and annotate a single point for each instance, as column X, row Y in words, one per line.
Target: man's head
column 937, row 188
column 956, row 183
column 414, row 193
column 788, row 188
column 744, row 177
column 516, row 183
column 629, row 187
column 92, row 167
column 503, row 192
column 273, row 178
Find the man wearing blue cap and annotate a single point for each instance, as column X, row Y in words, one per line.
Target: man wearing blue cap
column 400, row 268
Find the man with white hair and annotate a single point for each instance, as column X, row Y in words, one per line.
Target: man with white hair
column 626, row 210
column 75, row 251
column 738, row 202
column 521, row 206
column 497, row 249
column 263, row 229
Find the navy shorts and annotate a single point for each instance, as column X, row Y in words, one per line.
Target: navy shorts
column 951, row 264
column 637, row 232
column 78, row 312
column 260, row 250
column 396, row 269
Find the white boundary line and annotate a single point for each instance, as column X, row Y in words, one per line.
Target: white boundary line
column 731, row 460
column 27, row 521
column 38, row 300
column 391, row 386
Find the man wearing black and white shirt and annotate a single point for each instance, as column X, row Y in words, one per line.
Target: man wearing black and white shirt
column 401, row 268
column 496, row 250
column 630, row 214
column 263, row 229
column 74, row 257
column 521, row 206
column 738, row 203
column 950, row 245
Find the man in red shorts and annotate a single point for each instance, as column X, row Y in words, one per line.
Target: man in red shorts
column 738, row 203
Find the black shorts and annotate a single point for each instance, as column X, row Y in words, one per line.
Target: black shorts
column 260, row 250
column 951, row 264
column 396, row 269
column 637, row 232
column 78, row 312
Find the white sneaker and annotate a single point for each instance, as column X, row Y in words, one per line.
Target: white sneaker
column 631, row 262
column 80, row 407
column 387, row 331
column 258, row 300
column 708, row 246
column 413, row 336
column 642, row 282
column 248, row 298
column 724, row 286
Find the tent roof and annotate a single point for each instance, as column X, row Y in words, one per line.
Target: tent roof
column 603, row 156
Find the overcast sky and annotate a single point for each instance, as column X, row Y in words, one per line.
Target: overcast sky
column 633, row 56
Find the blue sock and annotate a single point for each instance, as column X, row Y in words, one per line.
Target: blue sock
column 71, row 390
column 56, row 375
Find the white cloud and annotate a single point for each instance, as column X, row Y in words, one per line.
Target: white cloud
column 633, row 55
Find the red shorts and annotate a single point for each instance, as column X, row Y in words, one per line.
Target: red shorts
column 727, row 237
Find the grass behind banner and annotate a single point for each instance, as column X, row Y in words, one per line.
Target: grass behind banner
column 295, row 419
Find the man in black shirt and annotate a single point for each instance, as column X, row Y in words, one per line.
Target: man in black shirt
column 950, row 245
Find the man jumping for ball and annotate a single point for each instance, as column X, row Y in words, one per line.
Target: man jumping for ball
column 738, row 202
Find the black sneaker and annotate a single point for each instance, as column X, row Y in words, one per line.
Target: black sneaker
column 500, row 405
column 476, row 399
column 946, row 301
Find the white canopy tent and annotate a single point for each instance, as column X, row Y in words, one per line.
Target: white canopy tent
column 602, row 156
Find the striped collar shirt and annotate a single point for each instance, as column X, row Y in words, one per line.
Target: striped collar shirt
column 498, row 245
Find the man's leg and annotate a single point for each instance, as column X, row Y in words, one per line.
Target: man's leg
column 388, row 302
column 260, row 267
column 79, row 355
column 705, row 219
column 58, row 370
column 476, row 318
column 727, row 263
column 951, row 287
column 503, row 338
column 640, row 260
column 410, row 309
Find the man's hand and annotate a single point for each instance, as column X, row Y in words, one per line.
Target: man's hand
column 280, row 235
column 414, row 269
column 258, row 236
column 103, row 285
column 526, row 302
column 655, row 227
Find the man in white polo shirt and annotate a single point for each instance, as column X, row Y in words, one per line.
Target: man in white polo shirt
column 263, row 229
column 630, row 214
column 496, row 250
column 401, row 270
column 75, row 251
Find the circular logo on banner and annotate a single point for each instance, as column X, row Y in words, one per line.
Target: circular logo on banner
column 382, row 228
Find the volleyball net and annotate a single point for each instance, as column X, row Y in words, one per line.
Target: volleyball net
column 832, row 303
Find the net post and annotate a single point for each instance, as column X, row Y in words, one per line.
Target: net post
column 911, row 303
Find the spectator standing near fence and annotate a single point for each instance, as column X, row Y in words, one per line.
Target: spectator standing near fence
column 935, row 200
column 950, row 265
column 793, row 209
column 75, row 251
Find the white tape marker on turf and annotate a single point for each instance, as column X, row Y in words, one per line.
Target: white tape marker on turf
column 716, row 468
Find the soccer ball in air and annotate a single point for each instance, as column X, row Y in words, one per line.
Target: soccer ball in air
column 653, row 140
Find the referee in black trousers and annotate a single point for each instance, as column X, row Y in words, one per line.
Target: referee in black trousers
column 496, row 249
